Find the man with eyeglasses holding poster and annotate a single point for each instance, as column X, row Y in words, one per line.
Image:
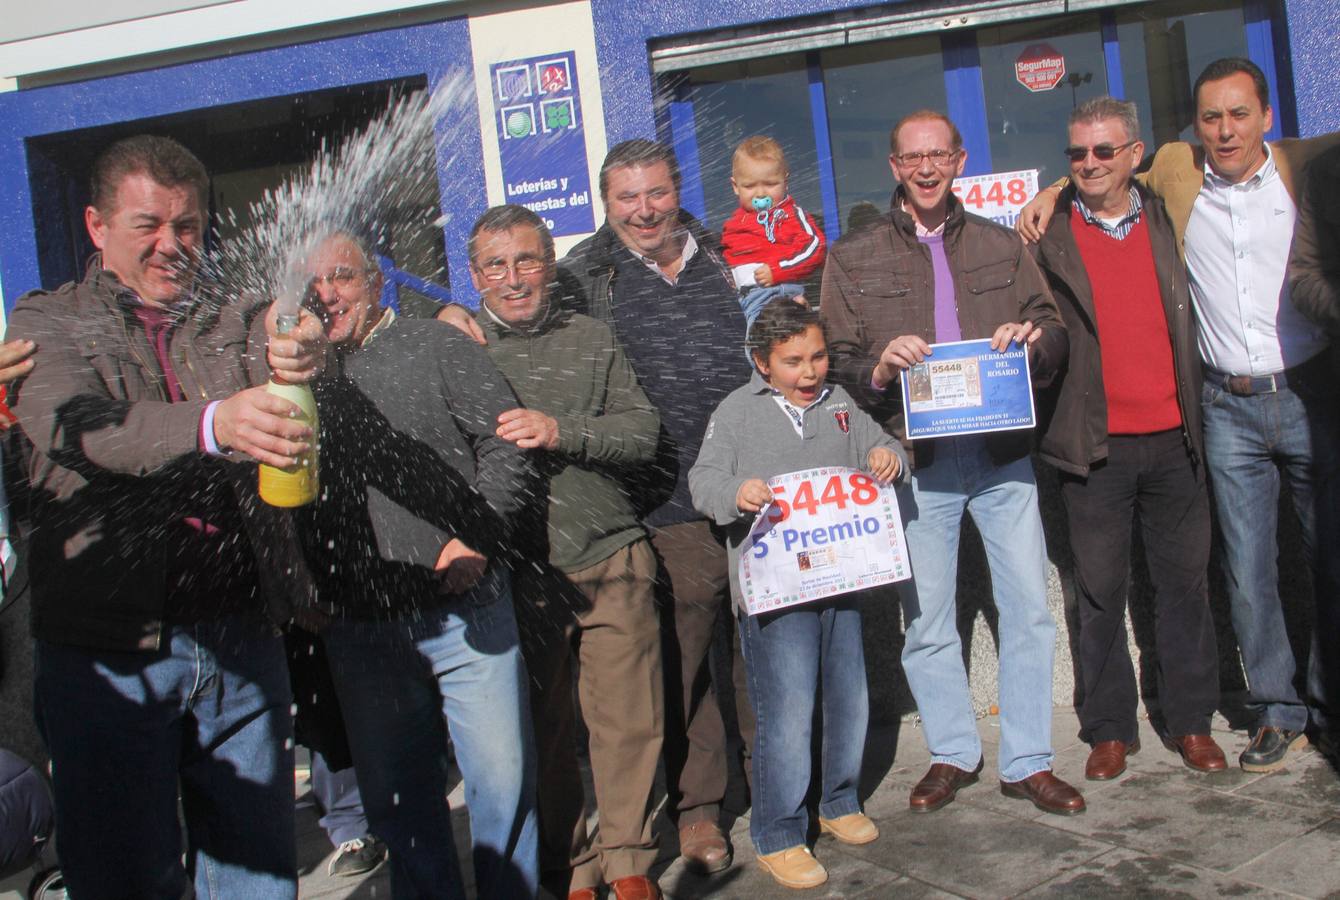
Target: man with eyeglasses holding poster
column 925, row 273
column 1269, row 400
column 1126, row 436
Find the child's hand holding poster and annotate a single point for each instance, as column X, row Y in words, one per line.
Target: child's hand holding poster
column 827, row 531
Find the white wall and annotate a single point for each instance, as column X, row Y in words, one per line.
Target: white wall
column 81, row 41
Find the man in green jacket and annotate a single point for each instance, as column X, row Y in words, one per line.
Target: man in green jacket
column 585, row 602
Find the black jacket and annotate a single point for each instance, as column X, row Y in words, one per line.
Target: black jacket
column 1073, row 425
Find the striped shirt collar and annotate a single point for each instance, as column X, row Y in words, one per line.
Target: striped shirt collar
column 1119, row 229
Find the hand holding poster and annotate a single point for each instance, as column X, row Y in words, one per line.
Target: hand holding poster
column 827, row 531
column 965, row 387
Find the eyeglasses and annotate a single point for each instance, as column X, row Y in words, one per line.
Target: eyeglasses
column 497, row 271
column 939, row 158
column 341, row 277
column 1101, row 152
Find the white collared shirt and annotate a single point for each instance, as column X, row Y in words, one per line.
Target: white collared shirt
column 795, row 413
column 690, row 248
column 1237, row 249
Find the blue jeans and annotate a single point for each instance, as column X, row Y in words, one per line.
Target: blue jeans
column 1249, row 443
column 1003, row 503
column 210, row 710
column 787, row 655
column 752, row 300
column 396, row 680
column 342, row 816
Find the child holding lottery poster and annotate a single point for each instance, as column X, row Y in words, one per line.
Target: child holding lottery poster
column 788, row 420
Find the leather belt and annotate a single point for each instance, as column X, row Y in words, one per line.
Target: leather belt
column 1248, row 385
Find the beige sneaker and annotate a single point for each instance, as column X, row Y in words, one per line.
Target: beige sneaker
column 794, row 867
column 853, row 828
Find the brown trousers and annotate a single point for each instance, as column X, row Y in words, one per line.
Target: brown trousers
column 694, row 591
column 602, row 622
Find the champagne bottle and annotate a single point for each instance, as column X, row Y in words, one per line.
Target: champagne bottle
column 298, row 484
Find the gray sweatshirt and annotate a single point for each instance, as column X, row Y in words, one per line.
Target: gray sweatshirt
column 751, row 436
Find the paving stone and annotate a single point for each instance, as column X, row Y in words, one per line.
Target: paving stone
column 1156, row 814
column 1307, row 780
column 848, row 876
column 1129, row 873
column 1304, row 866
column 968, row 850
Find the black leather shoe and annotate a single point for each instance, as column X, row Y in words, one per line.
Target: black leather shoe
column 1268, row 748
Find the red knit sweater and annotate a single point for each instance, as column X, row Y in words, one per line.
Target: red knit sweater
column 1138, row 375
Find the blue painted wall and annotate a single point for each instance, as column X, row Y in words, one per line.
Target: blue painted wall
column 1314, row 53
column 431, row 51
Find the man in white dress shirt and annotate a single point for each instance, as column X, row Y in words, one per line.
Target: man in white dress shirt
column 1271, row 406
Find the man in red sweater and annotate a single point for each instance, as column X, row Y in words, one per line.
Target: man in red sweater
column 1125, row 431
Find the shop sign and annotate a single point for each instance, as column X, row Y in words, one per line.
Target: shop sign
column 542, row 141
column 999, row 196
column 1040, row 67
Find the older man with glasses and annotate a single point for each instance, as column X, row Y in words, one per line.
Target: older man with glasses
column 585, row 582
column 928, row 272
column 1126, row 435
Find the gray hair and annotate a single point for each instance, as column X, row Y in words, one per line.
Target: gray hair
column 505, row 218
column 1105, row 107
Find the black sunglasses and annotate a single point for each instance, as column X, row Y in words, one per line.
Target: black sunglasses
column 1101, row 152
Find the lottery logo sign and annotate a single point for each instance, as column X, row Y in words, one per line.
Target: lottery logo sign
column 541, row 140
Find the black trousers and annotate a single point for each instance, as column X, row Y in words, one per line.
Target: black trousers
column 1150, row 476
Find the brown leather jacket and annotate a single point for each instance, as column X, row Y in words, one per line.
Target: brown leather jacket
column 1314, row 264
column 1074, row 411
column 110, row 456
column 879, row 283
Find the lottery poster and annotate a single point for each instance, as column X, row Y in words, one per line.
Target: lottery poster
column 827, row 531
column 965, row 387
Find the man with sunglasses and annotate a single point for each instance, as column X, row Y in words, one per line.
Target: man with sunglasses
column 1125, row 431
column 927, row 273
column 585, row 579
column 1270, row 403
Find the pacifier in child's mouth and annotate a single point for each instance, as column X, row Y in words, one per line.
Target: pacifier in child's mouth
column 762, row 204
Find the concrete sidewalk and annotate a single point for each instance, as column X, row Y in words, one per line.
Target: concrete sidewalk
column 1159, row 830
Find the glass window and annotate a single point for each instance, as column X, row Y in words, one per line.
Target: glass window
column 732, row 101
column 1164, row 46
column 1027, row 127
column 868, row 88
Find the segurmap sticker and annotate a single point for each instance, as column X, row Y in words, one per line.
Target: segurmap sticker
column 827, row 531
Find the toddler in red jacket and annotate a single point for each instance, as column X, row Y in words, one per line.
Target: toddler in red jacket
column 770, row 243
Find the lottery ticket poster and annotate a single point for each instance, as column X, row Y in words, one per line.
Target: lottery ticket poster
column 965, row 387
column 828, row 531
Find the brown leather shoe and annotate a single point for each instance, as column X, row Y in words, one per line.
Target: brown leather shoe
column 1048, row 793
column 1107, row 759
column 583, row 894
column 1198, row 751
column 703, row 847
column 939, row 785
column 634, row 887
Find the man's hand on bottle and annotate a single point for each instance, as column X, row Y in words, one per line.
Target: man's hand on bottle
column 299, row 356
column 262, row 426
